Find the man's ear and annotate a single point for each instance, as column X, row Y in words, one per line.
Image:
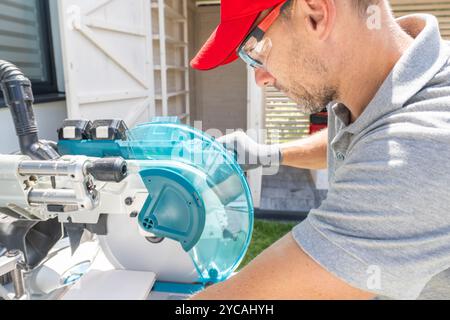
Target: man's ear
column 319, row 15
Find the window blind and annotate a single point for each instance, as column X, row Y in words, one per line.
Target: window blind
column 21, row 37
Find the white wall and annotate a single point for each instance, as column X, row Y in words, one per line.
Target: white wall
column 49, row 116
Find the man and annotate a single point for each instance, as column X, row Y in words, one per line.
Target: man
column 384, row 228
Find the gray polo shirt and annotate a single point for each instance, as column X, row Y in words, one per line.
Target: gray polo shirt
column 385, row 224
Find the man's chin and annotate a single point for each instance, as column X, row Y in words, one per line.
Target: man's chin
column 307, row 104
column 308, row 107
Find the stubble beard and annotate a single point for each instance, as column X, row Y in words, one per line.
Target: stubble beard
column 309, row 103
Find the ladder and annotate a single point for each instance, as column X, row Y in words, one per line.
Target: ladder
column 170, row 36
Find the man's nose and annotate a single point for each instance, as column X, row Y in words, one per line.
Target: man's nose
column 264, row 78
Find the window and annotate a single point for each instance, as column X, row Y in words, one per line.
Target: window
column 25, row 40
column 283, row 120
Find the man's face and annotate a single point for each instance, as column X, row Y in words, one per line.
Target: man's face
column 296, row 68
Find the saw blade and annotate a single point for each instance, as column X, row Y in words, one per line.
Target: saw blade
column 127, row 249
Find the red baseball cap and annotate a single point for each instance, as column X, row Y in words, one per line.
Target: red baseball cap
column 237, row 17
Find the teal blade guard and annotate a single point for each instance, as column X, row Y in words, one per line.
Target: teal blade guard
column 198, row 195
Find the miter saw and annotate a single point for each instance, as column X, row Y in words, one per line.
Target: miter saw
column 163, row 207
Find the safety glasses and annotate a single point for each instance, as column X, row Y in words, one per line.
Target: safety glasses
column 256, row 48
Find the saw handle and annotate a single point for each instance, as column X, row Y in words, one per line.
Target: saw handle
column 109, row 169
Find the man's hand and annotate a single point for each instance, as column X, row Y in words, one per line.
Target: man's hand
column 250, row 154
column 283, row 272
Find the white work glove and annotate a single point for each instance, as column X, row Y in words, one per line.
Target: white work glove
column 250, row 154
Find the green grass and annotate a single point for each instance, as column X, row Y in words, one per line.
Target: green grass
column 265, row 233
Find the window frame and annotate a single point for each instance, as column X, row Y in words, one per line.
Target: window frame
column 43, row 89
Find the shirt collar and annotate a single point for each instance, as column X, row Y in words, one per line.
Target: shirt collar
column 419, row 64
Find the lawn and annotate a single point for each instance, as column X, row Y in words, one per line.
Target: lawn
column 265, row 233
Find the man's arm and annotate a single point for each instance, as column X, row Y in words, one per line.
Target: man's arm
column 307, row 153
column 282, row 272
